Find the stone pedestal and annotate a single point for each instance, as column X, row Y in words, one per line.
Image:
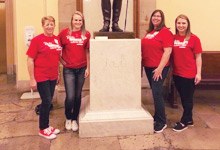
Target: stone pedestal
column 116, row 35
column 115, row 91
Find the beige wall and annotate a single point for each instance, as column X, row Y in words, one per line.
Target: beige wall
column 52, row 10
column 29, row 13
column 146, row 9
column 203, row 15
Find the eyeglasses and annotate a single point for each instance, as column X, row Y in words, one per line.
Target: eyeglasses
column 156, row 16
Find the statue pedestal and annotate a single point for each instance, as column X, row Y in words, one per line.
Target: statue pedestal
column 115, row 91
column 116, row 35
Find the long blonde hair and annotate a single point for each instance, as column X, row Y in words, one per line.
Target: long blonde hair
column 188, row 30
column 83, row 28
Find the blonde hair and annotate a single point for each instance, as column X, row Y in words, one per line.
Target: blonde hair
column 83, row 28
column 188, row 31
column 49, row 18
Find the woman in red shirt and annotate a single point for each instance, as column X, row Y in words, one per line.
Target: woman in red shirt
column 75, row 58
column 156, row 48
column 43, row 60
column 187, row 64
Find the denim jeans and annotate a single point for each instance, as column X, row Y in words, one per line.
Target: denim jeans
column 73, row 81
column 185, row 88
column 46, row 91
column 157, row 92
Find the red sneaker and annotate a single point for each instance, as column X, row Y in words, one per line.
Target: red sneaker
column 47, row 133
column 53, row 130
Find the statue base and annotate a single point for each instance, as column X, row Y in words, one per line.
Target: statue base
column 116, row 35
column 114, row 106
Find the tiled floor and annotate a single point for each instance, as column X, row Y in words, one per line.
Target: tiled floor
column 19, row 126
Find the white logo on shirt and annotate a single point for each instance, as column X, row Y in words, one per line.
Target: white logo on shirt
column 179, row 44
column 151, row 36
column 78, row 41
column 53, row 46
column 56, row 41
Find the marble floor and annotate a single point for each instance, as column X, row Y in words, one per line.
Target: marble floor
column 19, row 126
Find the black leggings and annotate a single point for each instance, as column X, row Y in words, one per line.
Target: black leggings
column 186, row 88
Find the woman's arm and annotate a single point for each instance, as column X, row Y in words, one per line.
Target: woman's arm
column 88, row 63
column 198, row 67
column 165, row 58
column 30, row 65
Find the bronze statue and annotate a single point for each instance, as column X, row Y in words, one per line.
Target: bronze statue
column 106, row 11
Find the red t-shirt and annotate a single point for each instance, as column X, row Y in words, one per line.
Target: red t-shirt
column 74, row 48
column 152, row 46
column 184, row 62
column 46, row 54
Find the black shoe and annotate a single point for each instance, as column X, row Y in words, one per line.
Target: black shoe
column 115, row 28
column 179, row 127
column 37, row 108
column 159, row 128
column 105, row 27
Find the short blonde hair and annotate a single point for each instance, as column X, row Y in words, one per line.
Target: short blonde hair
column 49, row 18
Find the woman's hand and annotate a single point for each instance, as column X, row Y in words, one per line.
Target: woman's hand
column 30, row 65
column 157, row 74
column 62, row 61
column 197, row 78
column 33, row 84
column 199, row 68
column 165, row 58
column 86, row 73
column 58, row 79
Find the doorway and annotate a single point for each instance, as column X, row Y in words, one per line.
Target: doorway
column 3, row 60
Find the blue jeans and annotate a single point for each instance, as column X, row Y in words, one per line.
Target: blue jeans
column 73, row 81
column 46, row 91
column 157, row 92
column 186, row 88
